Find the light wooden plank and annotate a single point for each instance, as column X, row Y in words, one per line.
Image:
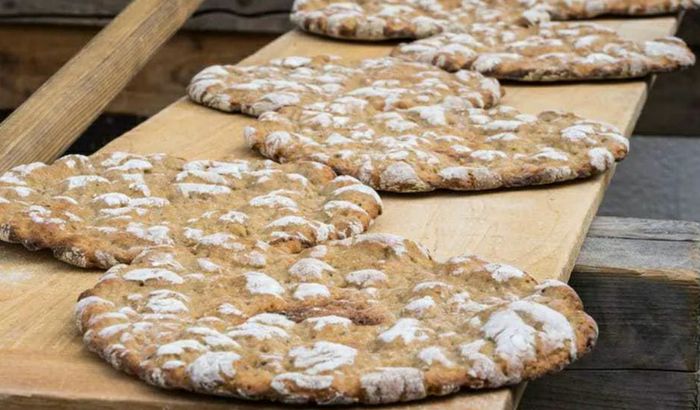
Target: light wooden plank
column 539, row 229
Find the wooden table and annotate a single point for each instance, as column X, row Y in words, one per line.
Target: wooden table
column 538, row 229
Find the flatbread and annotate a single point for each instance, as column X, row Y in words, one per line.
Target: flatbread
column 371, row 319
column 548, row 52
column 293, row 81
column 103, row 210
column 375, row 20
column 406, row 127
column 437, row 147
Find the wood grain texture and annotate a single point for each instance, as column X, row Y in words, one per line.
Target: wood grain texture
column 113, row 7
column 30, row 54
column 635, row 228
column 268, row 16
column 47, row 123
column 538, row 229
column 646, row 323
column 644, row 258
column 640, row 280
column 651, row 390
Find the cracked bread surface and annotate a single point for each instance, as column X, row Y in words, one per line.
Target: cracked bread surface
column 369, row 319
column 376, row 20
column 440, row 147
column 549, row 52
column 103, row 210
column 383, row 83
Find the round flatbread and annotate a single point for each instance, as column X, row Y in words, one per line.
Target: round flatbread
column 406, row 127
column 370, row 319
column 424, row 148
column 548, row 52
column 383, row 83
column 375, row 20
column 103, row 210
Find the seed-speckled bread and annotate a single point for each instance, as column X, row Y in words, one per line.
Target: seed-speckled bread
column 430, row 147
column 548, row 52
column 375, row 20
column 293, row 81
column 370, row 319
column 102, row 210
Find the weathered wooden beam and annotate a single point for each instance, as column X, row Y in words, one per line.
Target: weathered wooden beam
column 646, row 322
column 612, row 389
column 30, row 54
column 640, row 280
column 671, row 260
column 268, row 16
column 63, row 107
column 653, row 229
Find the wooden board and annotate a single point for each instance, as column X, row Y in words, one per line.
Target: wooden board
column 640, row 280
column 539, row 229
